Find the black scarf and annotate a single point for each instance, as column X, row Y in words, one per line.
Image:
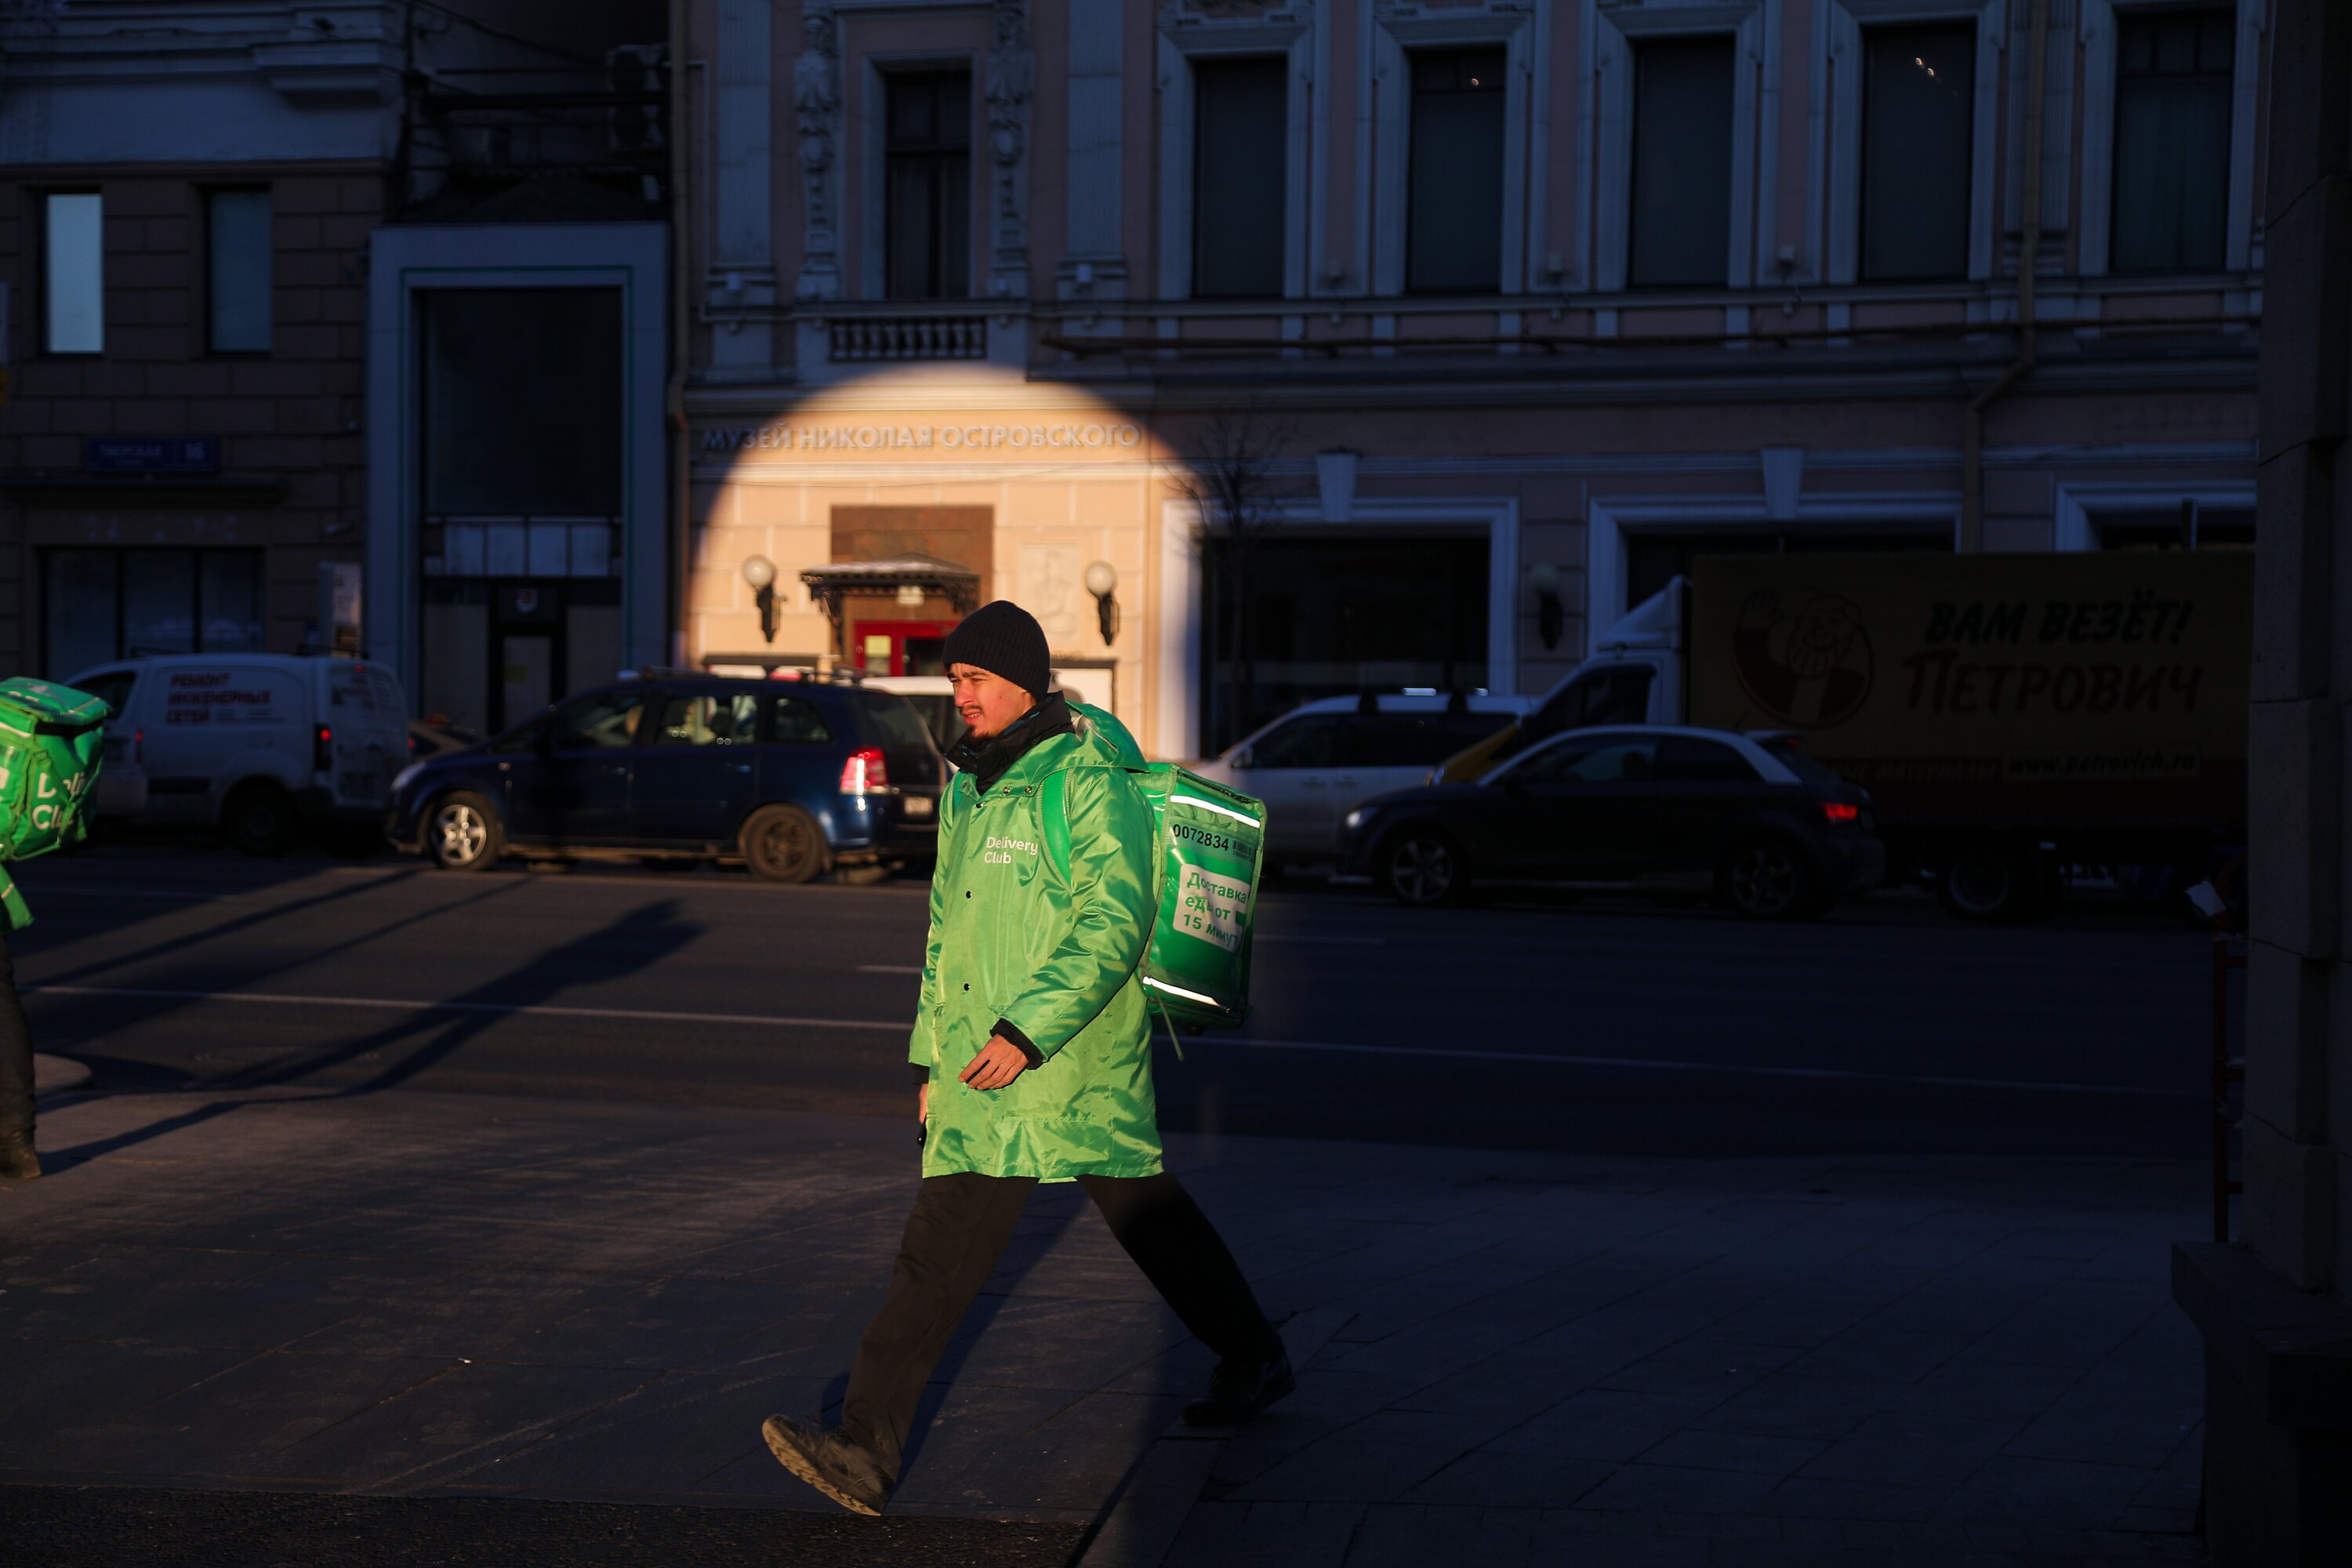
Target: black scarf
column 986, row 761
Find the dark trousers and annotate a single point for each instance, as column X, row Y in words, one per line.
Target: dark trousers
column 16, row 1057
column 953, row 1240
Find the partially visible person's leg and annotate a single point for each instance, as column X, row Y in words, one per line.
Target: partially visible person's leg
column 954, row 1236
column 17, row 1159
column 1156, row 1220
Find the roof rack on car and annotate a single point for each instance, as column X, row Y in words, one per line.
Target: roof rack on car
column 788, row 666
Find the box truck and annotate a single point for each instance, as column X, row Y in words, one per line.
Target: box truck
column 2012, row 715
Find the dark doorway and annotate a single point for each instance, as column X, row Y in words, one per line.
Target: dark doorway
column 1332, row 617
column 499, row 650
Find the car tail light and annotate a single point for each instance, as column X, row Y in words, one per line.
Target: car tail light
column 1839, row 813
column 139, row 748
column 322, row 750
column 864, row 772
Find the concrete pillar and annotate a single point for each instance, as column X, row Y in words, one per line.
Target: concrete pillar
column 2276, row 1310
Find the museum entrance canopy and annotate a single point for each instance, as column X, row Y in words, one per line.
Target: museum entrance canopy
column 910, row 577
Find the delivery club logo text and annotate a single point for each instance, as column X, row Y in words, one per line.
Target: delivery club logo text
column 999, row 851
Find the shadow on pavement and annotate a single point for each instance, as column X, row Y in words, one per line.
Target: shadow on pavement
column 646, row 935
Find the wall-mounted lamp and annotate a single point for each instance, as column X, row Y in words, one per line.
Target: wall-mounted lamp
column 1544, row 578
column 761, row 573
column 1100, row 582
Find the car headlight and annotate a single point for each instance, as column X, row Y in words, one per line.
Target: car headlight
column 1357, row 817
column 400, row 780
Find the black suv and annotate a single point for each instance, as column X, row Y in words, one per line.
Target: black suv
column 793, row 777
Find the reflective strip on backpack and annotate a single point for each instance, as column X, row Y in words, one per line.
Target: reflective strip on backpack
column 1212, row 805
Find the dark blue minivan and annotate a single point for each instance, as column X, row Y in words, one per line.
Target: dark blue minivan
column 793, row 777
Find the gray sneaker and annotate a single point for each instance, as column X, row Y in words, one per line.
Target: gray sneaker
column 830, row 1462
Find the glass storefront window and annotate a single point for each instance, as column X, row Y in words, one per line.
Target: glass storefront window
column 523, row 401
column 158, row 602
column 80, row 610
column 1292, row 619
column 105, row 604
column 228, row 591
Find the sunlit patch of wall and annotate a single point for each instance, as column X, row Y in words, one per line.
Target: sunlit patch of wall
column 1070, row 478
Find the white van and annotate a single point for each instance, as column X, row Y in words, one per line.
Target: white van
column 1325, row 758
column 258, row 744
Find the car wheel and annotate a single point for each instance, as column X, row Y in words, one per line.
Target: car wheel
column 1423, row 866
column 783, row 843
column 1989, row 879
column 1769, row 879
column 461, row 833
column 260, row 819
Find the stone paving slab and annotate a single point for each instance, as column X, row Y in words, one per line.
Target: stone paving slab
column 1540, row 1357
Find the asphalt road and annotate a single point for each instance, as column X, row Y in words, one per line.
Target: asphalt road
column 1592, row 1027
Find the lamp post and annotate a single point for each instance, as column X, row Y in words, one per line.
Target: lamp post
column 1544, row 578
column 761, row 573
column 1100, row 582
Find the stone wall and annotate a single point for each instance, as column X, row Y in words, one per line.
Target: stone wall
column 292, row 414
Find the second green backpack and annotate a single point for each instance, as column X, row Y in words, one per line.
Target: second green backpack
column 52, row 739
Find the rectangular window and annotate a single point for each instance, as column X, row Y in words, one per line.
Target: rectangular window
column 1917, row 98
column 2174, row 72
column 104, row 604
column 927, row 167
column 237, row 271
column 73, row 273
column 523, row 399
column 1682, row 164
column 2188, row 526
column 1241, row 129
column 1454, row 204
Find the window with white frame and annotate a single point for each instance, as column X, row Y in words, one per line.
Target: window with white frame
column 1241, row 126
column 1918, row 91
column 2191, row 525
column 927, row 184
column 1680, row 190
column 73, row 273
column 236, row 270
column 1454, row 184
column 2175, row 73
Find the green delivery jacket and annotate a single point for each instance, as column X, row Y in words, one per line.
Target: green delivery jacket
column 1060, row 958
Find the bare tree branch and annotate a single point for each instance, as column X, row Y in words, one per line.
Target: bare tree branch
column 1231, row 478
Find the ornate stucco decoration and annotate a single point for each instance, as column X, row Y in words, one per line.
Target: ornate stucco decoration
column 1012, row 84
column 1422, row 10
column 816, row 105
column 1176, row 16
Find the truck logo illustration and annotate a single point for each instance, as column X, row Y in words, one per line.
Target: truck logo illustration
column 1811, row 667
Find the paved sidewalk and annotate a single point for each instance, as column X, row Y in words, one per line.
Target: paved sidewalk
column 1538, row 1358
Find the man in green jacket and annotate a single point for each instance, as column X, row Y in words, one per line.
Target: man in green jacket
column 1033, row 1048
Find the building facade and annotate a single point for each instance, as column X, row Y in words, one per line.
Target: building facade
column 1346, row 334
column 339, row 326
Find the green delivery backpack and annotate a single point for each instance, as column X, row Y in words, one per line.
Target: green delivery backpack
column 52, row 739
column 1207, row 855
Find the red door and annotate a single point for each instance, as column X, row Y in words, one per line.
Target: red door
column 899, row 647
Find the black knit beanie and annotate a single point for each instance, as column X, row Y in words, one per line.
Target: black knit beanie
column 1004, row 639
